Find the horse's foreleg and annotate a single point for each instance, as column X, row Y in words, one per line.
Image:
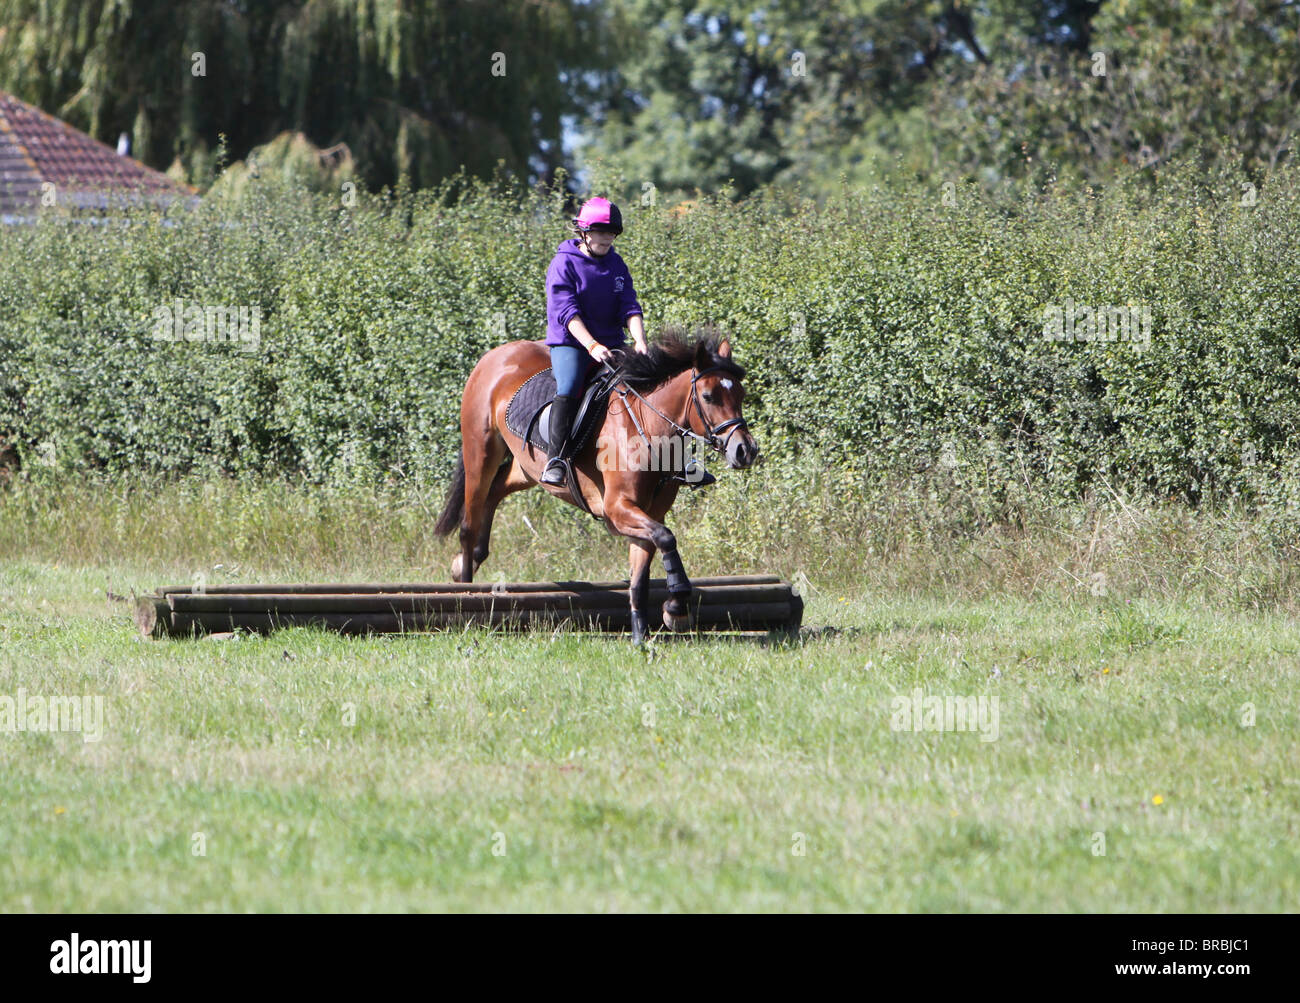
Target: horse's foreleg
column 631, row 521
column 640, row 556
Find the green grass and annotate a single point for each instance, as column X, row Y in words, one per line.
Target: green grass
column 674, row 778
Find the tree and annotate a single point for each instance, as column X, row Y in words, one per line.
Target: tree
column 423, row 87
column 1155, row 81
column 1003, row 92
column 753, row 92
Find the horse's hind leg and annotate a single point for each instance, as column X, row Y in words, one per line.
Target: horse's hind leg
column 509, row 479
column 484, row 451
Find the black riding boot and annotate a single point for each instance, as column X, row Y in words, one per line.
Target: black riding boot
column 560, row 436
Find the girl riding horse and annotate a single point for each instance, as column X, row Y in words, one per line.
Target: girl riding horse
column 589, row 297
column 667, row 393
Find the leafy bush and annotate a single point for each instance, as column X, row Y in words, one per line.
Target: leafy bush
column 897, row 330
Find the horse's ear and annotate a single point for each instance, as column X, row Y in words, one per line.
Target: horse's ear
column 724, row 349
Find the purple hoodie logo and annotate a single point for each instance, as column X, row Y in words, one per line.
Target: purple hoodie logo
column 618, row 284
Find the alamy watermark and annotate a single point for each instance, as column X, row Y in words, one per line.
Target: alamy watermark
column 76, row 956
column 33, row 712
column 1083, row 322
column 660, row 453
column 917, row 712
column 194, row 322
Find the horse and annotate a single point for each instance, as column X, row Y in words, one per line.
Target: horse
column 692, row 378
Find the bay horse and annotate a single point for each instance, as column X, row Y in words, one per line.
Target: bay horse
column 679, row 387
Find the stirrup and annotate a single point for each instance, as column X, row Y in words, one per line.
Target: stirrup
column 702, row 480
column 556, row 472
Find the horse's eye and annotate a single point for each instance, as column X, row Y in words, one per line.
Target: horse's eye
column 708, row 397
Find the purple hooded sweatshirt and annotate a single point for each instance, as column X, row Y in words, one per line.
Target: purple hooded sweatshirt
column 599, row 290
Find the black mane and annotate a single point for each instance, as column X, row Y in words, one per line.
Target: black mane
column 674, row 352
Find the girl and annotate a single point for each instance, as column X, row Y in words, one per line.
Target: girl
column 589, row 299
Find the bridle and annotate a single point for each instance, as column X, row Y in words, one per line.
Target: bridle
column 712, row 439
column 731, row 426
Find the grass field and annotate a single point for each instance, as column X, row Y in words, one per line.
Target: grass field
column 1143, row 759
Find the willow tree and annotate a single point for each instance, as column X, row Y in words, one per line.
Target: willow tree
column 417, row 86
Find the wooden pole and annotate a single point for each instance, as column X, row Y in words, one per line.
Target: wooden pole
column 153, row 616
column 329, row 588
column 766, row 616
column 452, row 602
column 725, row 603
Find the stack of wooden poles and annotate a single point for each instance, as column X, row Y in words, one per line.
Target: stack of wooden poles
column 727, row 603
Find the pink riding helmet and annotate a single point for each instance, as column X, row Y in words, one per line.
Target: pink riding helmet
column 599, row 214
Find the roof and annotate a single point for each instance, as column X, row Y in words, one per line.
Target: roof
column 36, row 148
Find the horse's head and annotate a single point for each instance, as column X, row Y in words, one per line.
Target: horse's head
column 717, row 394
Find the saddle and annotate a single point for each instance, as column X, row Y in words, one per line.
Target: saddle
column 528, row 415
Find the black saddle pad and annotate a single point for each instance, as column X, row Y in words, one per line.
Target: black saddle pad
column 525, row 417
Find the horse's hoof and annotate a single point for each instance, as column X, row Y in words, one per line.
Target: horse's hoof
column 638, row 627
column 678, row 623
column 457, row 563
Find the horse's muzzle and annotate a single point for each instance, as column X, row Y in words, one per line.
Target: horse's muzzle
column 742, row 453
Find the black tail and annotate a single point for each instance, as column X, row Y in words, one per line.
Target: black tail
column 454, row 510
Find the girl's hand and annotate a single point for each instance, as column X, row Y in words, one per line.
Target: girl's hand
column 601, row 353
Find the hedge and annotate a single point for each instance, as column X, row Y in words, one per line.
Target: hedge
column 897, row 329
